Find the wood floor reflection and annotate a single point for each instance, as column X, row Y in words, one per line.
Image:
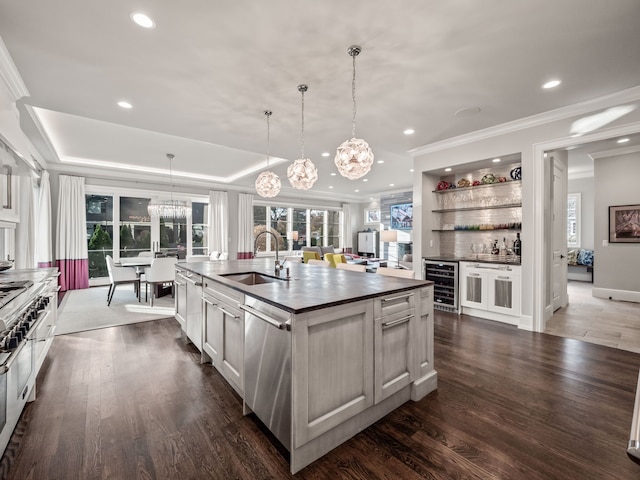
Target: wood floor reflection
column 601, row 321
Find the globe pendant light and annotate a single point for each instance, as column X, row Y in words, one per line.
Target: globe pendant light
column 268, row 183
column 169, row 208
column 302, row 173
column 354, row 157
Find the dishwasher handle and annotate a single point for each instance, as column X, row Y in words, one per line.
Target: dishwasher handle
column 269, row 320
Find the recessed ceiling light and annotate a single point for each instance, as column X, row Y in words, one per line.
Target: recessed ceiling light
column 411, row 170
column 391, row 184
column 380, row 161
column 409, row 131
column 333, row 174
column 123, row 104
column 330, row 186
column 623, row 140
column 495, row 160
column 143, row 20
column 356, row 190
column 365, row 179
column 551, row 84
column 325, row 154
column 448, row 169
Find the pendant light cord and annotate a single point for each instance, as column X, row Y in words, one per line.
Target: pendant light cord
column 353, row 96
column 302, row 133
column 170, row 157
column 268, row 114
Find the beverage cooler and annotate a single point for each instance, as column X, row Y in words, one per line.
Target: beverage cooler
column 444, row 275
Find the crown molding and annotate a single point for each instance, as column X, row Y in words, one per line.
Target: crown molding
column 629, row 95
column 584, row 173
column 10, row 74
column 615, row 152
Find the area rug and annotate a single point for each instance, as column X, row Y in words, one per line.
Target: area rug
column 82, row 310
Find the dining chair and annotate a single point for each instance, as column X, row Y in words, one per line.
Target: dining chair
column 120, row 275
column 306, row 256
column 197, row 258
column 161, row 271
column 351, row 266
column 318, row 263
column 396, row 272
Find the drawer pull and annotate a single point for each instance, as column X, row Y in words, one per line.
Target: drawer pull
column 227, row 313
column 399, row 297
column 209, row 302
column 396, row 322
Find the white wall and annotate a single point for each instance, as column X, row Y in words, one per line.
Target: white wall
column 617, row 264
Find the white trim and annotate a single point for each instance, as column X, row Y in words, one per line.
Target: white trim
column 584, row 173
column 9, row 73
column 612, row 294
column 578, row 199
column 615, row 152
column 630, row 95
column 143, row 193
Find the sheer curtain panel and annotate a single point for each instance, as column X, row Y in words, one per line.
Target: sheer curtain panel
column 71, row 249
column 218, row 222
column 44, row 253
column 245, row 226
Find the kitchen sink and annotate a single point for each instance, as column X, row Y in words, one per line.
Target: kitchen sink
column 252, row 278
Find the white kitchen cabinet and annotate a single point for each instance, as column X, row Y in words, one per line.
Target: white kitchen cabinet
column 492, row 288
column 180, row 283
column 194, row 309
column 423, row 333
column 223, row 332
column 9, row 185
column 394, row 359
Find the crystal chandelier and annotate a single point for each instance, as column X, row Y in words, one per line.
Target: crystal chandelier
column 169, row 208
column 302, row 173
column 268, row 183
column 354, row 157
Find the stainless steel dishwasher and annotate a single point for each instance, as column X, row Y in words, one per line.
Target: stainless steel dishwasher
column 267, row 366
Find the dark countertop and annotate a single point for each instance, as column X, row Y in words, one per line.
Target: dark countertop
column 310, row 288
column 479, row 258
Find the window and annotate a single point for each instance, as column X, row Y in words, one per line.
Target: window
column 573, row 220
column 200, row 228
column 99, row 233
column 297, row 227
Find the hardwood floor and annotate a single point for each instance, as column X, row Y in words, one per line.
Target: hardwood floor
column 133, row 402
column 612, row 323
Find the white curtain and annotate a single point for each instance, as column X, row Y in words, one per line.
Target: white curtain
column 218, row 222
column 347, row 233
column 245, row 226
column 26, row 229
column 72, row 258
column 44, row 253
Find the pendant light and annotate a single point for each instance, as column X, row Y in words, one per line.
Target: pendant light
column 268, row 183
column 354, row 157
column 169, row 208
column 302, row 173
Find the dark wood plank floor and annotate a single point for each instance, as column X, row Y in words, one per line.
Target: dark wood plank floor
column 133, row 402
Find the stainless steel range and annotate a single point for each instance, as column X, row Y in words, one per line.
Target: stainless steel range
column 28, row 313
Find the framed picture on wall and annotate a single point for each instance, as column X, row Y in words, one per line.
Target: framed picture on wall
column 624, row 224
column 371, row 216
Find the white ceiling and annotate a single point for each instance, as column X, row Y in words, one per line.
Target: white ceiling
column 200, row 80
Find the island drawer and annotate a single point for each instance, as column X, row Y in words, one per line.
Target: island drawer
column 395, row 305
column 222, row 292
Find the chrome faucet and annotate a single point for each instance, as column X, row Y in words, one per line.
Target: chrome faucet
column 278, row 266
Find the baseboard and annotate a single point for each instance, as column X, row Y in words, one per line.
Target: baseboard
column 611, row 294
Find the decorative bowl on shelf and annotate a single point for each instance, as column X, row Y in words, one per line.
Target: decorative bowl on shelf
column 488, row 179
column 476, row 183
column 463, row 182
column 442, row 185
column 502, row 179
column 516, row 173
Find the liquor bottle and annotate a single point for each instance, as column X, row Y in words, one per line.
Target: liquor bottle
column 503, row 247
column 494, row 248
column 517, row 245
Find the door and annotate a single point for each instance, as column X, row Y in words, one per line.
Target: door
column 473, row 292
column 559, row 232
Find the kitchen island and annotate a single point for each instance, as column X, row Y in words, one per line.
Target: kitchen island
column 317, row 357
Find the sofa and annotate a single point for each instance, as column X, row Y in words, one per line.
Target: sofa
column 580, row 264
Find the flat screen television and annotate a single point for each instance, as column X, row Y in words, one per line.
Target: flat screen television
column 402, row 216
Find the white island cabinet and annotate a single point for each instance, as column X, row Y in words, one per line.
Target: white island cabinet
column 316, row 370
